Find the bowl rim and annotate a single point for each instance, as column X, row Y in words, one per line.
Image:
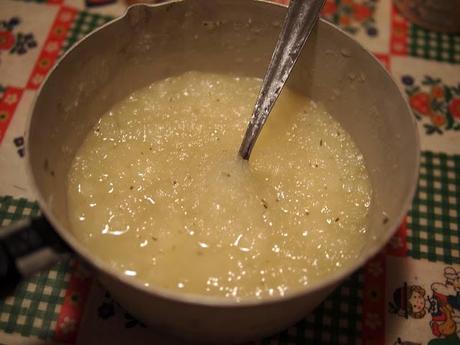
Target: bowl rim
column 204, row 300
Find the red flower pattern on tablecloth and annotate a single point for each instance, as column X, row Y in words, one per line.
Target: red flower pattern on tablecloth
column 373, row 321
column 65, row 16
column 437, row 92
column 6, row 40
column 4, row 115
column 15, row 42
column 395, row 242
column 375, row 268
column 352, row 15
column 374, row 293
column 454, row 107
column 373, row 300
column 361, row 12
column 397, row 246
column 9, row 99
column 68, row 325
column 52, row 46
column 434, row 103
column 36, row 80
column 420, row 103
column 73, row 306
column 400, row 27
column 329, row 8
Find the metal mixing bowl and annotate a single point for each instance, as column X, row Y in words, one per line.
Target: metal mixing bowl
column 151, row 42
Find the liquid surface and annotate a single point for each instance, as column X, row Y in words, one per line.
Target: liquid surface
column 157, row 191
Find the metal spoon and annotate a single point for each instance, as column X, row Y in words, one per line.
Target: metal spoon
column 301, row 17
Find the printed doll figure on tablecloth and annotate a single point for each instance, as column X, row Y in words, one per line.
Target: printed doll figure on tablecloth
column 445, row 328
column 451, row 288
column 409, row 301
column 443, row 306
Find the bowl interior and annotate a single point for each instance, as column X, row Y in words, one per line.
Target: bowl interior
column 229, row 36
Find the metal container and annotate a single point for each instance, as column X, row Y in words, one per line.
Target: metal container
column 151, row 42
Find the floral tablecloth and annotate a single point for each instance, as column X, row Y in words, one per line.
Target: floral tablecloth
column 408, row 294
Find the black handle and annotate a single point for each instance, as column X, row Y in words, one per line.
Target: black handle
column 26, row 247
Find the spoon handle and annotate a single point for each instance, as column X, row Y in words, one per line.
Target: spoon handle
column 301, row 17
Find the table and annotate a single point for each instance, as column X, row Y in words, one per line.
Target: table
column 408, row 294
